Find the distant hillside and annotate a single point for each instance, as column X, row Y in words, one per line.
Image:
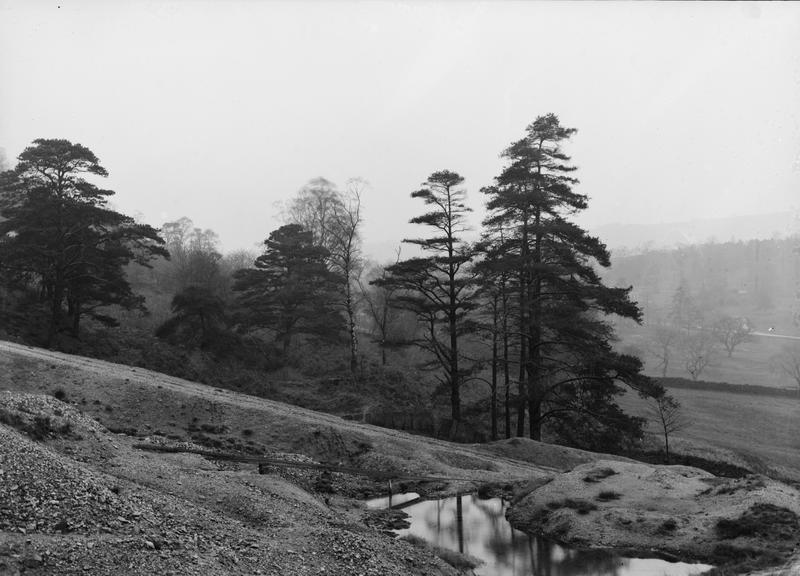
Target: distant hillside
column 668, row 235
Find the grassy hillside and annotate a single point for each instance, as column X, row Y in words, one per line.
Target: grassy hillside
column 763, row 430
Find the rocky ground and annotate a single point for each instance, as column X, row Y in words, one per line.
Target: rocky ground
column 78, row 497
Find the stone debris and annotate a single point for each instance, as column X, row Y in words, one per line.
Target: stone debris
column 123, row 511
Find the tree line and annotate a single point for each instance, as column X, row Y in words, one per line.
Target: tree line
column 702, row 303
column 522, row 313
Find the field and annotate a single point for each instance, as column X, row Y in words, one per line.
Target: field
column 751, row 362
column 759, row 428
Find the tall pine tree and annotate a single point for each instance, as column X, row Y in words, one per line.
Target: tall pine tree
column 564, row 339
column 290, row 291
column 436, row 286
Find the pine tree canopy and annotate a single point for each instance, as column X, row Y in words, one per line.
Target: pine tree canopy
column 60, row 237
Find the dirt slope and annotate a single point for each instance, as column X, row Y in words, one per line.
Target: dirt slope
column 82, row 499
column 145, row 402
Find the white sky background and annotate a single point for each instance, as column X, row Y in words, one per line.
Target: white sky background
column 216, row 110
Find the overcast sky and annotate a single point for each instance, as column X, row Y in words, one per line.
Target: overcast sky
column 216, row 110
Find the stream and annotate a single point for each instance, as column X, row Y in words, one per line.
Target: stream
column 479, row 529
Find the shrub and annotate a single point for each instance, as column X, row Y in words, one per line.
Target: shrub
column 598, row 474
column 60, row 394
column 39, row 428
column 11, row 418
column 580, row 506
column 608, row 495
column 762, row 520
column 743, row 559
column 667, row 526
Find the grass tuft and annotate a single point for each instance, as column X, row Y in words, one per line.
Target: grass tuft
column 608, row 495
column 667, row 526
column 761, row 520
column 580, row 506
column 598, row 474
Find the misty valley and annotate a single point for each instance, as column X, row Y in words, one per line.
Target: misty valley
column 618, row 412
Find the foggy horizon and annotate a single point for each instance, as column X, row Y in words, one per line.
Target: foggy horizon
column 217, row 112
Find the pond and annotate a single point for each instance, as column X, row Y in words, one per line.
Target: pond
column 479, row 528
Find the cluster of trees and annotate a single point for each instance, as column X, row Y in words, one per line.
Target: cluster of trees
column 523, row 312
column 702, row 302
column 530, row 290
column 63, row 251
column 757, row 277
column 692, row 338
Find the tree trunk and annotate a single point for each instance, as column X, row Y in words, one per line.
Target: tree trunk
column 460, row 524
column 76, row 318
column 506, row 375
column 494, row 375
column 55, row 312
column 524, row 327
column 523, row 395
column 452, row 314
column 535, row 385
column 507, row 411
column 351, row 324
column 522, row 392
column 535, row 415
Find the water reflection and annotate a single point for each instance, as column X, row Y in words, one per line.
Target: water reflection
column 391, row 500
column 479, row 528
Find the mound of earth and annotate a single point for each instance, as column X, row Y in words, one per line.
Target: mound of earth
column 552, row 456
column 674, row 510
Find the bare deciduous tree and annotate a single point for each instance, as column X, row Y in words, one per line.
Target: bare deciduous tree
column 730, row 332
column 668, row 415
column 345, row 248
column 698, row 353
column 662, row 346
column 313, row 208
column 334, row 220
column 788, row 362
column 381, row 307
column 194, row 258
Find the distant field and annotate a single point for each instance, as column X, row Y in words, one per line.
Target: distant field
column 750, row 363
column 766, row 428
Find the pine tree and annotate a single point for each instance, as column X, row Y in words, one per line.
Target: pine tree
column 60, row 238
column 436, row 287
column 198, row 316
column 564, row 341
column 290, row 290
